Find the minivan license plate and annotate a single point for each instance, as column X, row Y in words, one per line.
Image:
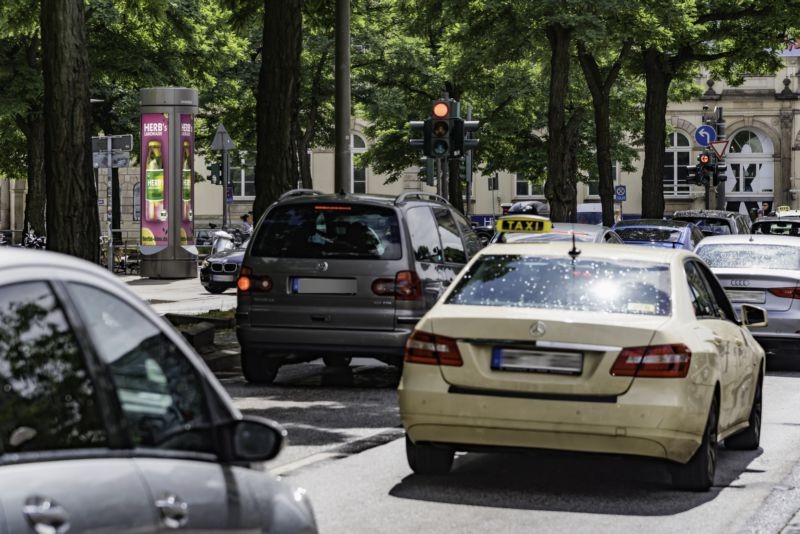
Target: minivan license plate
column 537, row 361
column 325, row 286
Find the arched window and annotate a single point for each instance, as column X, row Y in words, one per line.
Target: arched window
column 676, row 158
column 137, row 202
column 751, row 169
column 359, row 173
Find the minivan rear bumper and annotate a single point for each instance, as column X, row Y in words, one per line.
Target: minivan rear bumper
column 388, row 344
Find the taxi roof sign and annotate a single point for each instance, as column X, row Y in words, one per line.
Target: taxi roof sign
column 525, row 224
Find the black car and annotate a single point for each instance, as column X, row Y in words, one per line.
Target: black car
column 776, row 226
column 715, row 222
column 218, row 271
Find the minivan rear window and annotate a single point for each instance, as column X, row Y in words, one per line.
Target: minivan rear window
column 329, row 230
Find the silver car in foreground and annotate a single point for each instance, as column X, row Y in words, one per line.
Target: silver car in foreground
column 763, row 270
column 109, row 422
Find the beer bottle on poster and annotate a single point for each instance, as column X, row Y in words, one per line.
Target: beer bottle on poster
column 154, row 187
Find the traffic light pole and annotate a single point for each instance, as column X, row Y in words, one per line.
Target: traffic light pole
column 342, row 156
column 719, row 126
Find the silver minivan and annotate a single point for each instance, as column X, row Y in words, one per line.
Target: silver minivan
column 335, row 276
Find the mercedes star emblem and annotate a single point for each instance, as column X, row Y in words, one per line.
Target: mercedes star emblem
column 538, row 329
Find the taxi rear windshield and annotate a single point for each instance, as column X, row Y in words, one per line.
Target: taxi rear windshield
column 667, row 235
column 348, row 231
column 750, row 255
column 777, row 228
column 593, row 285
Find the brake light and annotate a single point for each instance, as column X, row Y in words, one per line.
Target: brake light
column 383, row 287
column 431, row 349
column 247, row 281
column 785, row 292
column 407, row 286
column 657, row 361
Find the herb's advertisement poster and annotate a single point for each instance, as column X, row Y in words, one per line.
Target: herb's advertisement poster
column 187, row 178
column 155, row 179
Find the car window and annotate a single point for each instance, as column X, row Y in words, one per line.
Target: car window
column 451, row 239
column 777, row 228
column 696, row 237
column 744, row 228
column 594, row 285
column 611, row 237
column 329, row 230
column 669, row 235
column 746, row 255
column 723, row 304
column 424, row 237
column 471, row 241
column 702, row 300
column 47, row 397
column 159, row 390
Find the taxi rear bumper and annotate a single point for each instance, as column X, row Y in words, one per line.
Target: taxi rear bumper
column 668, row 424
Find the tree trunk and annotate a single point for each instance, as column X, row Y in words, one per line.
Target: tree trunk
column 560, row 188
column 658, row 76
column 33, row 129
column 456, row 191
column 72, row 219
column 278, row 102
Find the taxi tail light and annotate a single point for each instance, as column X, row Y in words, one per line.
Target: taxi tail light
column 431, row 349
column 655, row 361
column 785, row 292
column 248, row 282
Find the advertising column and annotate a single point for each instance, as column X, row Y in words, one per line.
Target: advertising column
column 187, row 179
column 155, row 177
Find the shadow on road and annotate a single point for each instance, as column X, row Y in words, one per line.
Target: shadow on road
column 568, row 482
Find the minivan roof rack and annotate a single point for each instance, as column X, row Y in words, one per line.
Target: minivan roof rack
column 402, row 197
column 298, row 193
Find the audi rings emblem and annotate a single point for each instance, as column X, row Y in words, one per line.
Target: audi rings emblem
column 740, row 283
column 538, row 329
column 322, row 266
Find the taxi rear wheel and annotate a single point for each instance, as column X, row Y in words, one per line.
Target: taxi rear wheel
column 698, row 473
column 749, row 439
column 426, row 459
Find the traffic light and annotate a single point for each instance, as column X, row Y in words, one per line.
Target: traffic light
column 720, row 167
column 461, row 143
column 216, row 172
column 425, row 142
column 692, row 174
column 706, row 168
column 438, row 145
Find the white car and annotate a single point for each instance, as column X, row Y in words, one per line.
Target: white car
column 606, row 349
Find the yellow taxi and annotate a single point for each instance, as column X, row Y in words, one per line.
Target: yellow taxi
column 584, row 347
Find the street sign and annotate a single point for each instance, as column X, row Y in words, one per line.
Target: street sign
column 119, row 159
column 620, row 193
column 222, row 141
column 493, row 185
column 720, row 147
column 705, row 134
column 229, row 194
column 122, row 143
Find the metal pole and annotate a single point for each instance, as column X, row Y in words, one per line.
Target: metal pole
column 225, row 180
column 445, row 179
column 343, row 162
column 468, row 167
column 109, row 207
column 721, row 201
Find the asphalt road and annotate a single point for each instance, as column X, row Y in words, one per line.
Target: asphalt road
column 345, row 448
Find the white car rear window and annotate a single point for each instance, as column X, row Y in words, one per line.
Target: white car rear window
column 610, row 286
column 751, row 255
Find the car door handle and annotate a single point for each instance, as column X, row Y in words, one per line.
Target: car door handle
column 45, row 515
column 716, row 340
column 174, row 511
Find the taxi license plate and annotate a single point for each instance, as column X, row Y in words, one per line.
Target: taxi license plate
column 537, row 361
column 222, row 277
column 745, row 295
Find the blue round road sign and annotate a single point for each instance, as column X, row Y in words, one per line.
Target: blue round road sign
column 705, row 134
column 620, row 193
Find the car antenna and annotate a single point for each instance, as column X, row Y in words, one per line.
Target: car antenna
column 574, row 253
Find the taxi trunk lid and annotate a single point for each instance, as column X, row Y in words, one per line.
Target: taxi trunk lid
column 544, row 353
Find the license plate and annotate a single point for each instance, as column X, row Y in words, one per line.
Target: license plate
column 222, row 277
column 324, row 286
column 746, row 295
column 537, row 361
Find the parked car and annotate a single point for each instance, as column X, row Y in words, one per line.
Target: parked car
column 219, row 271
column 484, row 233
column 531, row 228
column 545, row 346
column 762, row 270
column 529, row 207
column 715, row 222
column 110, row 422
column 659, row 233
column 776, row 226
column 343, row 275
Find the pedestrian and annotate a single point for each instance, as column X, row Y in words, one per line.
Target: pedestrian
column 247, row 226
column 764, row 211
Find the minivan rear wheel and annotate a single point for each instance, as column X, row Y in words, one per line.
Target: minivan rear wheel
column 259, row 368
column 337, row 361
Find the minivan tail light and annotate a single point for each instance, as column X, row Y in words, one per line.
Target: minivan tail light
column 785, row 292
column 248, row 282
column 407, row 286
column 383, row 287
column 431, row 349
column 656, row 361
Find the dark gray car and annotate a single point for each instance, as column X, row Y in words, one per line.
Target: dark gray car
column 335, row 276
column 715, row 222
column 109, row 422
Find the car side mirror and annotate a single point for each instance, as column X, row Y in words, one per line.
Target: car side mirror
column 753, row 316
column 256, row 439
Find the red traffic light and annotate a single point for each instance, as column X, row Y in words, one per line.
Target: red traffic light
column 440, row 128
column 704, row 158
column 441, row 110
